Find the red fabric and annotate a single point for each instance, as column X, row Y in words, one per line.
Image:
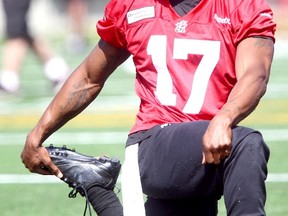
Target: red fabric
column 185, row 65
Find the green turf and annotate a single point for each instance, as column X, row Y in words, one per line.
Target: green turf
column 39, row 199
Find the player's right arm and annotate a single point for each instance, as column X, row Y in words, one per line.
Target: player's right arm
column 80, row 89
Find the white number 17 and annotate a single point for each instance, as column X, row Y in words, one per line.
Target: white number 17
column 182, row 47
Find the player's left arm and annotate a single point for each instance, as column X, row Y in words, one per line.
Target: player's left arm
column 253, row 62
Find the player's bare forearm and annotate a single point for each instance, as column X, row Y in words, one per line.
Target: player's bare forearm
column 74, row 96
column 81, row 88
column 253, row 63
column 243, row 99
column 253, row 70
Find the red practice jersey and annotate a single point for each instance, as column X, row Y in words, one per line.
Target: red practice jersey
column 185, row 65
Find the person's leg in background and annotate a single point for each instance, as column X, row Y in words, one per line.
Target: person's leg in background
column 18, row 40
column 77, row 13
column 16, row 44
column 55, row 67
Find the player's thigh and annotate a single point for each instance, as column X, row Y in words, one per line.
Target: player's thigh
column 170, row 162
column 248, row 140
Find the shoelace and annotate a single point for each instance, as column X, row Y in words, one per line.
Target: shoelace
column 73, row 193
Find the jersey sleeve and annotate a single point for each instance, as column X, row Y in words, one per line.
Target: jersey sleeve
column 109, row 27
column 254, row 18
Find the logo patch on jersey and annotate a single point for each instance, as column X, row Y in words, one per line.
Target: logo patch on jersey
column 222, row 20
column 140, row 14
column 181, row 26
column 266, row 15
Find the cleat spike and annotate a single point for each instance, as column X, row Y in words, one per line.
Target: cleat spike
column 57, row 151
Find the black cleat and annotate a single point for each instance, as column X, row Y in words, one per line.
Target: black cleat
column 82, row 172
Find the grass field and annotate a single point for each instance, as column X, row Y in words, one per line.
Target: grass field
column 102, row 129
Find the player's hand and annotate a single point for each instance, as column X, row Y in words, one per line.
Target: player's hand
column 217, row 141
column 37, row 160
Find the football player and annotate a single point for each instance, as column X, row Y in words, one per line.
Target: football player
column 202, row 66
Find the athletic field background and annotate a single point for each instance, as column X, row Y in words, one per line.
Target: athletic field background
column 102, row 129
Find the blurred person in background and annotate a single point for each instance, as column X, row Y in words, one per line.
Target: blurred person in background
column 18, row 41
column 76, row 11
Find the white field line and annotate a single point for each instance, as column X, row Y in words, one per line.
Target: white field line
column 66, row 138
column 40, row 179
column 110, row 137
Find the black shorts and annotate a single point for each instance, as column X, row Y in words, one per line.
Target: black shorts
column 169, row 151
column 177, row 183
column 170, row 165
column 16, row 19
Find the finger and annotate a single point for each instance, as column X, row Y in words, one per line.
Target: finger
column 216, row 157
column 49, row 170
column 42, row 170
column 225, row 153
column 53, row 169
column 223, row 156
column 39, row 169
column 23, row 159
column 203, row 158
column 48, row 166
column 207, row 157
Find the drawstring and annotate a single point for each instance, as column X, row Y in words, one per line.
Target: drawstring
column 78, row 189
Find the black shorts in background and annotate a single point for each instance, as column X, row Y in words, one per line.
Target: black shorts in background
column 16, row 19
